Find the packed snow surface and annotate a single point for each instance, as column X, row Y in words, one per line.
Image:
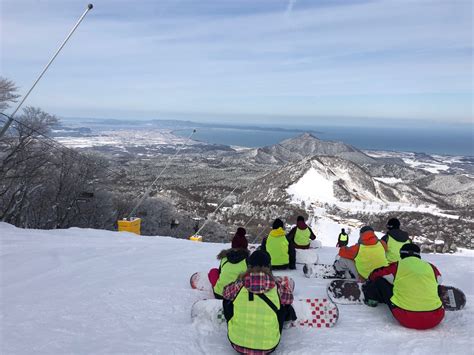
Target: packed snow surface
column 84, row 291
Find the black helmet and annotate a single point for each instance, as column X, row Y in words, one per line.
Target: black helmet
column 277, row 223
column 410, row 249
column 393, row 223
column 260, row 258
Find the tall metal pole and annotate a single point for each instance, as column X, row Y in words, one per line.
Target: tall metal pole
column 10, row 120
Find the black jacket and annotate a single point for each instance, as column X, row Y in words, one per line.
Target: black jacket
column 397, row 234
column 291, row 236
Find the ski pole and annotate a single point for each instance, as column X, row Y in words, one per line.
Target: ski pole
column 10, row 120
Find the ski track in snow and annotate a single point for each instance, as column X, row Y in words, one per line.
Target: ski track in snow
column 85, row 291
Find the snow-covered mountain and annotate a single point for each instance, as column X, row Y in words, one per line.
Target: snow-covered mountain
column 303, row 146
column 324, row 187
column 334, row 180
column 301, row 175
column 85, row 291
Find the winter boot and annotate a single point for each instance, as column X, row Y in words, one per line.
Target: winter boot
column 368, row 300
column 371, row 303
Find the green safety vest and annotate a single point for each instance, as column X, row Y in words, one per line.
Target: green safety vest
column 343, row 237
column 302, row 236
column 277, row 247
column 229, row 273
column 415, row 287
column 369, row 258
column 393, row 249
column 254, row 324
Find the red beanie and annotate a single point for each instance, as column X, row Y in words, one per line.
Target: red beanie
column 239, row 240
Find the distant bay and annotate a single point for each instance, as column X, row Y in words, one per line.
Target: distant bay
column 438, row 140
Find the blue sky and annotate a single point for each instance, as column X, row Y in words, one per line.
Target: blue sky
column 321, row 62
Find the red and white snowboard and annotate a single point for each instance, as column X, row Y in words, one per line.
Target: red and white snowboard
column 311, row 313
column 200, row 281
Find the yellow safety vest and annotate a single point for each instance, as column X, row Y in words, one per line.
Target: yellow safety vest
column 343, row 237
column 369, row 258
column 254, row 324
column 415, row 287
column 277, row 247
column 302, row 236
column 229, row 273
column 393, row 249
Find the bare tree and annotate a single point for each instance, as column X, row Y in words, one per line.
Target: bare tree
column 42, row 184
column 7, row 93
column 23, row 158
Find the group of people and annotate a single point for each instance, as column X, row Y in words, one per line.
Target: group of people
column 256, row 303
column 394, row 273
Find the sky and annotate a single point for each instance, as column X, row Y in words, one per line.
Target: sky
column 322, row 61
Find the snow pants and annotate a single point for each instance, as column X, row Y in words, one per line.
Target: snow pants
column 379, row 290
column 213, row 277
column 347, row 266
column 382, row 291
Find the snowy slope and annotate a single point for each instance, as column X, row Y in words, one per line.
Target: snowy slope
column 87, row 291
column 317, row 186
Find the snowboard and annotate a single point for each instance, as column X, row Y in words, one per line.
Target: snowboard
column 320, row 271
column 350, row 292
column 200, row 281
column 307, row 256
column 311, row 313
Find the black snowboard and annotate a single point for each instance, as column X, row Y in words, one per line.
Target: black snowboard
column 350, row 292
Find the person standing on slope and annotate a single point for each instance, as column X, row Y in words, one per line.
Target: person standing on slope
column 255, row 307
column 342, row 239
column 280, row 247
column 233, row 262
column 395, row 239
column 359, row 260
column 301, row 234
column 409, row 288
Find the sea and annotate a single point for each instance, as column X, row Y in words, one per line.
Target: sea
column 447, row 140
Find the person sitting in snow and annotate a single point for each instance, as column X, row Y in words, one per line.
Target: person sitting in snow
column 409, row 288
column 342, row 239
column 255, row 307
column 359, row 260
column 301, row 234
column 280, row 247
column 395, row 239
column 233, row 262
